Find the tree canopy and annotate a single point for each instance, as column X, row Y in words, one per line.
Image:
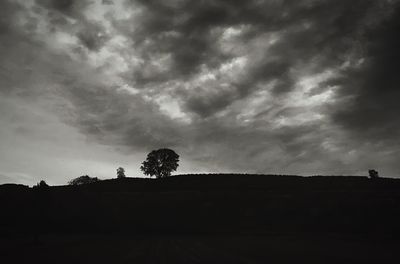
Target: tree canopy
column 160, row 163
column 120, row 173
column 85, row 179
column 373, row 174
column 41, row 185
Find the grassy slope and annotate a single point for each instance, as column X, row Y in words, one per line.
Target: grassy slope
column 204, row 219
column 209, row 204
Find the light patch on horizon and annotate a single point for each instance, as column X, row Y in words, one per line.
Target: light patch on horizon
column 37, row 145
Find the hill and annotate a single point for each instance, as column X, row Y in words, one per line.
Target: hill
column 218, row 205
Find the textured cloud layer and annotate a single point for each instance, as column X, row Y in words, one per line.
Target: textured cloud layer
column 279, row 86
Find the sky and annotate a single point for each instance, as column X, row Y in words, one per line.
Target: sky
column 306, row 87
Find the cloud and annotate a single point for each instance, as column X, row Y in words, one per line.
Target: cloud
column 370, row 87
column 253, row 86
column 93, row 36
column 70, row 8
column 277, row 39
column 80, row 95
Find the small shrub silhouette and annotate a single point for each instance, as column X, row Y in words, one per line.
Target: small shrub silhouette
column 85, row 179
column 120, row 173
column 160, row 163
column 373, row 174
column 41, row 185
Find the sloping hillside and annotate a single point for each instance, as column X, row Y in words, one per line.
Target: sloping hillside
column 204, row 219
column 208, row 204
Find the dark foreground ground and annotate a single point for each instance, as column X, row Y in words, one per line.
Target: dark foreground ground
column 278, row 248
column 204, row 219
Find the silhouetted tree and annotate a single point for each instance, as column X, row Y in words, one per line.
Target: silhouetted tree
column 41, row 185
column 120, row 173
column 85, row 179
column 373, row 174
column 160, row 163
column 40, row 215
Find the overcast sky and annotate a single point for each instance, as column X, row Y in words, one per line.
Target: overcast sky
column 285, row 87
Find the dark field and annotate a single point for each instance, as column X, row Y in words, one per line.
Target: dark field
column 300, row 248
column 204, row 219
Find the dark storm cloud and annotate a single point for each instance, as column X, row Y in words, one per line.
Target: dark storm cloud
column 7, row 11
column 254, row 86
column 207, row 104
column 92, row 36
column 119, row 118
column 372, row 110
column 71, row 8
column 15, row 55
column 80, row 95
column 311, row 35
column 319, row 34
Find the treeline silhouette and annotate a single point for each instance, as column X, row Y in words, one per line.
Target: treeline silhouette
column 206, row 204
